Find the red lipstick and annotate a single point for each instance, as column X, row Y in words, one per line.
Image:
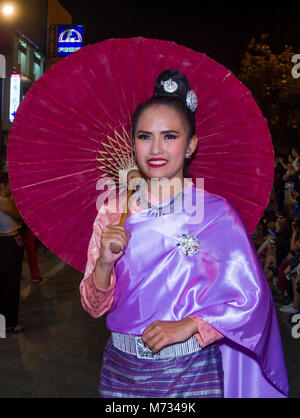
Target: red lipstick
column 157, row 162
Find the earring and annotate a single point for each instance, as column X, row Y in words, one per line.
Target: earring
column 188, row 155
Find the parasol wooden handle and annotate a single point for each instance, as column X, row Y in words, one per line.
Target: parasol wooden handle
column 116, row 248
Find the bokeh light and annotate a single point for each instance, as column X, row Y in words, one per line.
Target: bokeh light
column 8, row 9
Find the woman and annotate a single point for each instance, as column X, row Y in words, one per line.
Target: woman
column 292, row 285
column 279, row 184
column 183, row 280
column 294, row 307
column 283, row 232
column 288, row 178
column 295, row 239
column 295, row 201
column 11, row 257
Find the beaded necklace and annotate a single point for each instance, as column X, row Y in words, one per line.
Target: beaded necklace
column 153, row 210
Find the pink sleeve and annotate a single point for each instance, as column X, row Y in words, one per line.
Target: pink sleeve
column 206, row 333
column 97, row 301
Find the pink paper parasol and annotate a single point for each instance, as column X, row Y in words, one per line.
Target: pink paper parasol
column 82, row 106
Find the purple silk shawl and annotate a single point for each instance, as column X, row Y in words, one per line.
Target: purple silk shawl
column 224, row 284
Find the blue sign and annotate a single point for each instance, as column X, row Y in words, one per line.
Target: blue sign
column 69, row 39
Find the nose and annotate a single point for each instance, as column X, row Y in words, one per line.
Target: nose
column 157, row 147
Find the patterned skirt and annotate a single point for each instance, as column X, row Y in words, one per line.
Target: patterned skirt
column 197, row 375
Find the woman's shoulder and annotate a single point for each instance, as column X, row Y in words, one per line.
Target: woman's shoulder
column 215, row 208
column 216, row 200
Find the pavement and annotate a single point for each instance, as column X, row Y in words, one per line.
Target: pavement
column 59, row 353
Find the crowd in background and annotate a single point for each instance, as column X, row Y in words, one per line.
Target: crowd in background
column 277, row 237
column 277, row 240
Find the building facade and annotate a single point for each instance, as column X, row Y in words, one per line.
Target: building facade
column 25, row 41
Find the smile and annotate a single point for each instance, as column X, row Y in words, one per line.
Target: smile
column 157, row 163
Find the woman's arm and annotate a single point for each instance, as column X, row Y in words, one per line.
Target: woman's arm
column 282, row 163
column 98, row 284
column 292, row 200
column 8, row 206
column 162, row 333
column 286, row 175
column 206, row 334
column 295, row 244
column 102, row 275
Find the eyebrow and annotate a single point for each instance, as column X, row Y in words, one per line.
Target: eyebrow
column 163, row 132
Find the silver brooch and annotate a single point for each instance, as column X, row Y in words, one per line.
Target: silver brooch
column 191, row 100
column 188, row 245
column 169, row 86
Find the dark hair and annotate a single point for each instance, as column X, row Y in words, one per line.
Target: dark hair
column 176, row 100
column 297, row 148
column 285, row 228
column 4, row 178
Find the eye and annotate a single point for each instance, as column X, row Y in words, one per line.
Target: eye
column 143, row 136
column 170, row 136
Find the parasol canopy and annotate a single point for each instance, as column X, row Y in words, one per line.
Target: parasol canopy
column 75, row 121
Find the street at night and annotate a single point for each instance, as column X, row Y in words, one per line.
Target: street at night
column 59, row 354
column 149, row 199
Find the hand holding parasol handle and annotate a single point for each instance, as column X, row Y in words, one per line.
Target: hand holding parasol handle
column 116, row 248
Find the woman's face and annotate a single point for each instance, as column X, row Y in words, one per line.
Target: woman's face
column 161, row 142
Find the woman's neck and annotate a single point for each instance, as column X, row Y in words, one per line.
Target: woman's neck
column 160, row 190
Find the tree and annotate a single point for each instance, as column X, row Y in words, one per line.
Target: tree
column 277, row 93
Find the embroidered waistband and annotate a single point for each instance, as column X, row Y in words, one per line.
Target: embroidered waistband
column 134, row 345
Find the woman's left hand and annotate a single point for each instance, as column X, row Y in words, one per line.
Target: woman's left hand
column 162, row 333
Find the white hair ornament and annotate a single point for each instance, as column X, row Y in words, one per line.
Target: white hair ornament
column 192, row 101
column 171, row 86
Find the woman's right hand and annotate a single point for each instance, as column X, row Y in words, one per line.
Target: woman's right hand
column 112, row 234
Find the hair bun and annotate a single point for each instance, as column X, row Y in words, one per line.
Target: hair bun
column 176, row 77
column 173, row 83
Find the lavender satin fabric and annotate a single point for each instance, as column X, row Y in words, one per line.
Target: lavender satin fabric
column 224, row 284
